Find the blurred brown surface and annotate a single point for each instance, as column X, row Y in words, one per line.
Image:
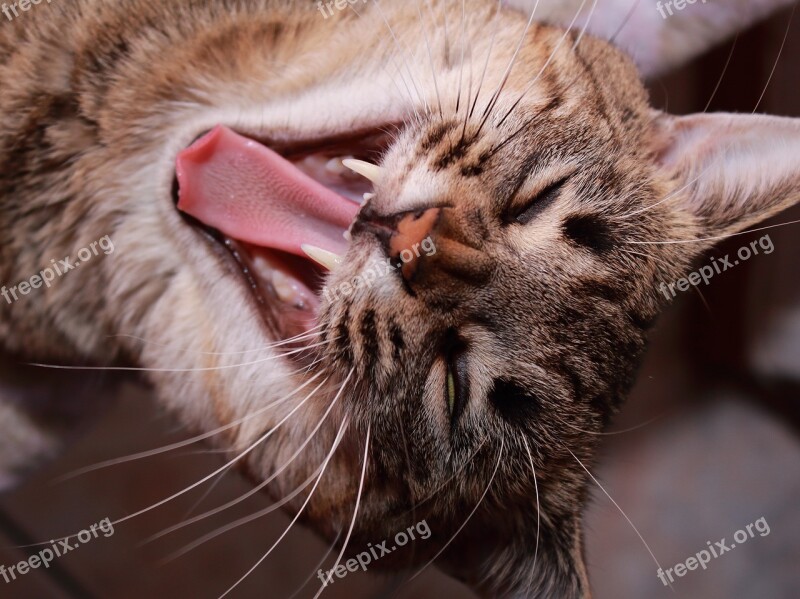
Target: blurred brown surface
column 723, row 453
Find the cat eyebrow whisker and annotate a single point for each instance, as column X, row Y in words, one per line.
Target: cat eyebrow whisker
column 552, row 55
column 463, row 45
column 496, row 95
column 731, row 144
column 612, row 433
column 486, row 63
column 328, row 458
column 468, row 94
column 403, row 56
column 399, row 72
column 261, row 485
column 657, row 259
column 430, row 55
column 717, row 238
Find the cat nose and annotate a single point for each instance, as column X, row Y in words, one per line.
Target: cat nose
column 438, row 252
column 406, row 236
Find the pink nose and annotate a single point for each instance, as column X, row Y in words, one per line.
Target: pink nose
column 410, row 231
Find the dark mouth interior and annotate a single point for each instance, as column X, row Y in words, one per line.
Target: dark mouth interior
column 288, row 287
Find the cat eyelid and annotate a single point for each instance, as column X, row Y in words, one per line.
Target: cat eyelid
column 536, row 194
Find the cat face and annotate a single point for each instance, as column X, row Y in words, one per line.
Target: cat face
column 506, row 343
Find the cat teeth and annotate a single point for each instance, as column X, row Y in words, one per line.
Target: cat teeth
column 366, row 169
column 347, row 235
column 322, row 257
column 368, row 196
column 262, row 268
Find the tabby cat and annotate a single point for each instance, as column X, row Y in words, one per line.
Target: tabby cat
column 487, row 300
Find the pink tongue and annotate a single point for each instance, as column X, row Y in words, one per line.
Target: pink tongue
column 250, row 193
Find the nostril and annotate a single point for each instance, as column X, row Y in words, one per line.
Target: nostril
column 402, row 234
column 411, row 230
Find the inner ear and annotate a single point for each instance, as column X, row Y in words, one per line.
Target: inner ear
column 728, row 171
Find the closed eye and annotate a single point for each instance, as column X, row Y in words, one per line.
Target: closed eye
column 537, row 204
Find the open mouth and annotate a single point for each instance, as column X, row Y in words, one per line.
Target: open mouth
column 273, row 207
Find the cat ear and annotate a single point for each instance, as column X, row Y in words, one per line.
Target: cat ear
column 728, row 171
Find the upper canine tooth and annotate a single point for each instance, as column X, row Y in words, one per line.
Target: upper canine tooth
column 366, row 169
column 368, row 196
column 323, row 257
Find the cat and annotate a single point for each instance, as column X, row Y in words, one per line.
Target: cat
column 212, row 144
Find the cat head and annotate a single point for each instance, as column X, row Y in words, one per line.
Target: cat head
column 493, row 305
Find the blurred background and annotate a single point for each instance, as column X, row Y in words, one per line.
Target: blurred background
column 708, row 443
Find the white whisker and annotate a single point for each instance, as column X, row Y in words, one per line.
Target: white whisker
column 469, row 517
column 180, row 444
column 493, row 99
column 299, row 512
column 261, row 485
column 205, row 479
column 717, row 238
column 313, row 574
column 355, row 510
column 403, row 56
column 430, row 55
column 621, row 511
column 553, row 53
column 538, row 509
column 205, row 369
column 488, row 56
column 310, row 334
column 730, row 145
